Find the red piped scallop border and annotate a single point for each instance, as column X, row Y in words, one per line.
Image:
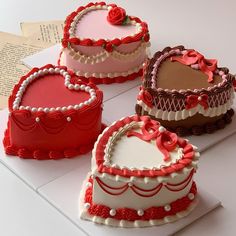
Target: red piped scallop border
column 152, row 213
column 185, row 161
column 107, row 44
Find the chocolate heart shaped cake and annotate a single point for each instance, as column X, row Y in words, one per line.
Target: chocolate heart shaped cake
column 142, row 175
column 186, row 92
column 52, row 115
column 103, row 44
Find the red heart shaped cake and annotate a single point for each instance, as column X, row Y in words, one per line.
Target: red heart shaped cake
column 103, row 44
column 142, row 175
column 186, row 92
column 52, row 115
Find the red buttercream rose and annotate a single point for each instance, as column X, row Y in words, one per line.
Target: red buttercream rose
column 146, row 97
column 116, row 16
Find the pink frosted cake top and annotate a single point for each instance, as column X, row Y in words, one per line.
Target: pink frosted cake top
column 102, row 28
column 99, row 24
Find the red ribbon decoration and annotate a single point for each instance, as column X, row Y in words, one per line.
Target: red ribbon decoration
column 191, row 57
column 165, row 140
column 193, row 100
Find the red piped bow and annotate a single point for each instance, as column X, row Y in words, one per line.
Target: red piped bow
column 193, row 100
column 165, row 140
column 191, row 57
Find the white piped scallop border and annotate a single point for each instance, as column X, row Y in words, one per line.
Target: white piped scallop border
column 67, row 77
column 110, row 74
column 83, row 214
column 103, row 55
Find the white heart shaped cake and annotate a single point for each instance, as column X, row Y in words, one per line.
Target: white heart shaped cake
column 103, row 44
column 52, row 115
column 142, row 175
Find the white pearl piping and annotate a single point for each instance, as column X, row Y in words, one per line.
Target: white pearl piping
column 112, row 212
column 86, row 205
column 140, row 212
column 191, row 196
column 167, row 207
column 67, row 77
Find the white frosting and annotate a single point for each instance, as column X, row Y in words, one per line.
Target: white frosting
column 183, row 114
column 83, row 212
column 128, row 152
column 67, row 77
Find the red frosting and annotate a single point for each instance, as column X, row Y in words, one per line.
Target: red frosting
column 116, row 16
column 53, row 136
column 146, row 97
column 193, row 100
column 151, row 213
column 107, row 44
column 185, row 161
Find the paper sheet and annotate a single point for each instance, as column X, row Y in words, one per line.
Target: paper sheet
column 46, row 31
column 12, row 49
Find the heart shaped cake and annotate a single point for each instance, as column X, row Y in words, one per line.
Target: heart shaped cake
column 52, row 115
column 142, row 175
column 186, row 92
column 103, row 44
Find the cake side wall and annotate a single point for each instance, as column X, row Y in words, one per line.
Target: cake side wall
column 130, row 199
column 35, row 133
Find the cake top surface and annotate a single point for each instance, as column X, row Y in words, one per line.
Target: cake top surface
column 139, row 147
column 52, row 89
column 175, row 75
column 94, row 24
column 179, row 69
column 102, row 25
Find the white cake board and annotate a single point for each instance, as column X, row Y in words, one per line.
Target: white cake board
column 67, row 204
column 33, row 172
column 50, row 56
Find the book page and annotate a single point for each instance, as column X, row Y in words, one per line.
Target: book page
column 13, row 48
column 46, row 31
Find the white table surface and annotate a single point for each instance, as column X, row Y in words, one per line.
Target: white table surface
column 207, row 26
